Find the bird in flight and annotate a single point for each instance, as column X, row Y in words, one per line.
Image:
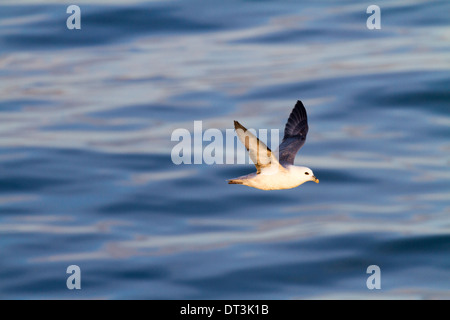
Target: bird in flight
column 272, row 173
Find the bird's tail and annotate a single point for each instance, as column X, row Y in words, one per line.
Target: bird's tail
column 234, row 181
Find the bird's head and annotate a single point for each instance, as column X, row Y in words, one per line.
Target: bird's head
column 306, row 174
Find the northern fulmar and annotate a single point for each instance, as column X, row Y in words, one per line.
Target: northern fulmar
column 272, row 173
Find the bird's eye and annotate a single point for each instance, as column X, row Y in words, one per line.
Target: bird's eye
column 307, row 173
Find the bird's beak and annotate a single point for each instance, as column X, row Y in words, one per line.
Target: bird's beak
column 315, row 179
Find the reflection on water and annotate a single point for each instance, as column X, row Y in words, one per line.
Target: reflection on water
column 86, row 176
column 282, row 230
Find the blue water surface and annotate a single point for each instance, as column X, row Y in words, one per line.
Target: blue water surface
column 87, row 178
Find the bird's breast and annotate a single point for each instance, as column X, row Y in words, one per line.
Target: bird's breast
column 281, row 180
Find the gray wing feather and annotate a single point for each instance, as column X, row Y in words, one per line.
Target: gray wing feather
column 294, row 134
column 260, row 154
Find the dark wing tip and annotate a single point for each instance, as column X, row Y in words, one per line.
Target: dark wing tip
column 297, row 124
column 299, row 104
column 237, row 126
column 300, row 108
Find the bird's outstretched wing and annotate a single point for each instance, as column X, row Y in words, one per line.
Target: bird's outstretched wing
column 260, row 154
column 294, row 134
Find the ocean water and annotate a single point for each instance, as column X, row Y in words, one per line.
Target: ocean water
column 87, row 179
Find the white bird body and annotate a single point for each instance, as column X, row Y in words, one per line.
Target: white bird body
column 273, row 173
column 281, row 179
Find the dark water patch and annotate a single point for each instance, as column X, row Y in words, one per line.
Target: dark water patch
column 136, row 162
column 51, row 285
column 146, row 273
column 382, row 84
column 9, row 273
column 30, row 184
column 260, row 198
column 168, row 205
column 158, row 112
column 269, row 279
column 82, row 160
column 148, row 18
column 292, row 90
column 417, row 14
column 355, row 243
column 93, row 127
column 415, row 93
column 193, row 182
column 24, row 163
column 21, row 104
column 345, row 177
column 434, row 101
column 14, row 211
column 100, row 25
column 428, row 245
